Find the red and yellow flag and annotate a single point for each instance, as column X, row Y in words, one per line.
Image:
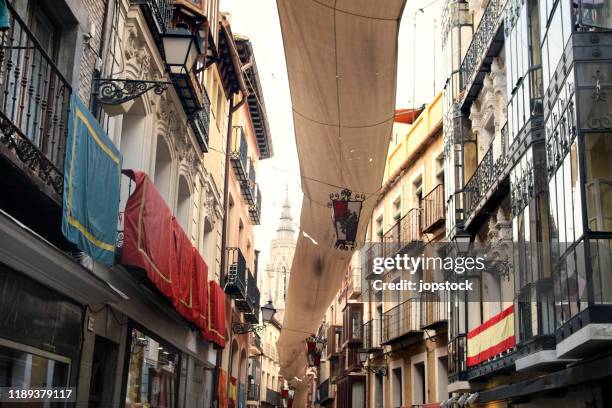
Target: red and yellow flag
column 491, row 338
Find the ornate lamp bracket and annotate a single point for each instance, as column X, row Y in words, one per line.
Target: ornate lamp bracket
column 111, row 91
column 243, row 328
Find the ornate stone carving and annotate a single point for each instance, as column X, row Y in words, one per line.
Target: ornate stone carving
column 137, row 55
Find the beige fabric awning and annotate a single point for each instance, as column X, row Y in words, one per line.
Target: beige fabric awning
column 341, row 61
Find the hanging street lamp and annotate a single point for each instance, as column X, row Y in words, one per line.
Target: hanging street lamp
column 267, row 314
column 346, row 208
column 314, row 350
column 363, row 359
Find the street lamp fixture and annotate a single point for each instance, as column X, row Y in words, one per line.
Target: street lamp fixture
column 314, row 350
column 461, row 242
column 181, row 49
column 267, row 313
column 346, row 208
column 363, row 359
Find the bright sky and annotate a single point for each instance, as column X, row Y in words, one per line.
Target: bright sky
column 258, row 19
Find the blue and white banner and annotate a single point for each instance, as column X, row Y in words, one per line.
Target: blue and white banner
column 92, row 175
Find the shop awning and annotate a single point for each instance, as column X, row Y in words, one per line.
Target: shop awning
column 342, row 62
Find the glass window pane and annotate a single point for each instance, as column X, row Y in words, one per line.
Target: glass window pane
column 554, row 220
column 152, row 373
column 567, row 193
column 555, row 40
column 598, row 162
column 20, row 369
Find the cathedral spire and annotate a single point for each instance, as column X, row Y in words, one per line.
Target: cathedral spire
column 285, row 227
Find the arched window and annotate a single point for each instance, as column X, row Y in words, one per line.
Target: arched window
column 163, row 169
column 183, row 203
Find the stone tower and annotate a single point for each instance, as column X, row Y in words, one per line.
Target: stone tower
column 278, row 268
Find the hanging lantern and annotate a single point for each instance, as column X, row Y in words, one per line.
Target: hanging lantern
column 346, row 208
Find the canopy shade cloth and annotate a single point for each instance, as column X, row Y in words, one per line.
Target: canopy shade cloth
column 341, row 61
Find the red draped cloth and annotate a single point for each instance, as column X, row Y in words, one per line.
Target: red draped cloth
column 200, row 305
column 185, row 288
column 149, row 235
column 216, row 315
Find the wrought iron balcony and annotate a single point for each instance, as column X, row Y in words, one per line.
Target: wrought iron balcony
column 253, row 392
column 34, row 106
column 374, row 251
column 200, row 123
column 323, row 392
column 401, row 321
column 457, row 358
column 247, row 186
column 235, row 283
column 433, row 209
column 239, row 153
column 256, row 341
column 489, row 172
column 354, row 283
column 250, row 305
column 273, row 398
column 157, row 13
column 372, row 338
column 434, row 309
column 255, row 208
column 486, row 43
column 404, row 232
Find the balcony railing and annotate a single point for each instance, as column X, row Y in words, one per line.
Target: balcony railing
column 157, row 13
column 256, row 341
column 255, row 208
column 488, row 172
column 239, row 153
column 247, row 186
column 253, row 392
column 273, row 398
column 487, row 29
column 457, row 357
column 401, row 321
column 235, row 283
column 434, row 309
column 250, row 307
column 323, row 392
column 433, row 209
column 374, row 251
column 372, row 332
column 405, row 231
column 200, row 123
column 354, row 283
column 34, row 104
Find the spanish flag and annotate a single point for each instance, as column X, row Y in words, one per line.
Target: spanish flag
column 491, row 338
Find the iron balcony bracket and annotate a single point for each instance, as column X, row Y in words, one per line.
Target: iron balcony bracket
column 111, row 91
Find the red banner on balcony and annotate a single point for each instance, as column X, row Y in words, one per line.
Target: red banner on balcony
column 491, row 338
column 200, row 305
column 149, row 235
column 184, row 289
column 216, row 315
